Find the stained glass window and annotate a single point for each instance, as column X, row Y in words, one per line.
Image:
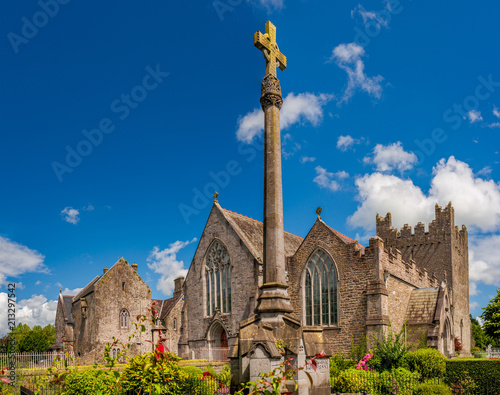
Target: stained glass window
column 218, row 278
column 320, row 290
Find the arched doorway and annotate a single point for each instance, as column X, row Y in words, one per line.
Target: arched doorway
column 218, row 342
column 447, row 341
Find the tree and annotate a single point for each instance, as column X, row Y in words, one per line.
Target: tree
column 37, row 339
column 478, row 334
column 491, row 317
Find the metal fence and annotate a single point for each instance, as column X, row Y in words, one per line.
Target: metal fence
column 38, row 360
column 493, row 352
column 193, row 386
column 387, row 384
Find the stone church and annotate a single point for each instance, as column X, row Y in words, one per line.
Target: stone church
column 337, row 286
column 107, row 307
column 266, row 295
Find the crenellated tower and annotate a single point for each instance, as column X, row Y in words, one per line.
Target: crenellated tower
column 442, row 251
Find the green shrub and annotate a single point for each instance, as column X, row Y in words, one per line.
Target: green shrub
column 431, row 389
column 399, row 381
column 339, row 363
column 426, row 361
column 359, row 350
column 390, row 350
column 225, row 376
column 192, row 371
column 146, row 374
column 354, row 381
column 91, row 382
column 476, row 374
column 475, row 349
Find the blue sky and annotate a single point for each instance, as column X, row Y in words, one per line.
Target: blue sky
column 117, row 119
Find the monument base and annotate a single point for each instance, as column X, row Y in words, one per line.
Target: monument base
column 263, row 345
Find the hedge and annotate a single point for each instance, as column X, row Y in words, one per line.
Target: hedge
column 484, row 372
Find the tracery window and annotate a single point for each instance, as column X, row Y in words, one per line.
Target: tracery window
column 320, row 290
column 124, row 315
column 218, row 278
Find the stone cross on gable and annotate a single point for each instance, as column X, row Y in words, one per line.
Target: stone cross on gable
column 267, row 44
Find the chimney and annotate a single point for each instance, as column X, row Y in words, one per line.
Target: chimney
column 134, row 266
column 179, row 282
column 105, row 270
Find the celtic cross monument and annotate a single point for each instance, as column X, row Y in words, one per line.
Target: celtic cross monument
column 270, row 336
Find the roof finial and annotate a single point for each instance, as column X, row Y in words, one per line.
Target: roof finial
column 318, row 211
column 215, row 197
column 60, row 290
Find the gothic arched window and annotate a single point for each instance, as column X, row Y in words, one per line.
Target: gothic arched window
column 124, row 318
column 320, row 290
column 218, row 278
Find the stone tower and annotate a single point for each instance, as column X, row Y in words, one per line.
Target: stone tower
column 442, row 251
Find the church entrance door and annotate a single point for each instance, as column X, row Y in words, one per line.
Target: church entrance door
column 223, row 339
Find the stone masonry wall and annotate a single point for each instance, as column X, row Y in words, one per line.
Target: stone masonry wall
column 111, row 298
column 355, row 271
column 244, row 280
column 60, row 324
column 173, row 333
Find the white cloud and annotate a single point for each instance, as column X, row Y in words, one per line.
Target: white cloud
column 485, row 171
column 346, row 142
column 473, row 305
column 306, row 159
column 391, row 157
column 301, row 108
column 36, row 310
column 89, row 207
column 71, row 215
column 496, row 113
column 16, row 259
column 38, row 282
column 474, row 116
column 473, row 287
column 476, row 201
column 329, row 180
column 494, row 125
column 71, row 292
column 165, row 262
column 369, row 16
column 348, row 58
column 480, row 321
column 484, row 260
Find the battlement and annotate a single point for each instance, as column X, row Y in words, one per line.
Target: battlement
column 441, row 227
column 393, row 263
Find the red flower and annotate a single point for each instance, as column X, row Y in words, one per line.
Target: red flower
column 160, row 348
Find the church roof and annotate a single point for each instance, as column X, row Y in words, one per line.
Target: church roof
column 422, row 306
column 89, row 288
column 346, row 239
column 68, row 313
column 251, row 232
column 166, row 306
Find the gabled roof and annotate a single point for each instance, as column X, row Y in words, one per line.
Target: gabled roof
column 67, row 307
column 422, row 306
column 166, row 306
column 344, row 238
column 251, row 232
column 89, row 288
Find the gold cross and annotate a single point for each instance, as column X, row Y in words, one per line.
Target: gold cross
column 267, row 44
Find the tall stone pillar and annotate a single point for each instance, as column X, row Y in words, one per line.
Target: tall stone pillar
column 274, row 300
column 256, row 350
